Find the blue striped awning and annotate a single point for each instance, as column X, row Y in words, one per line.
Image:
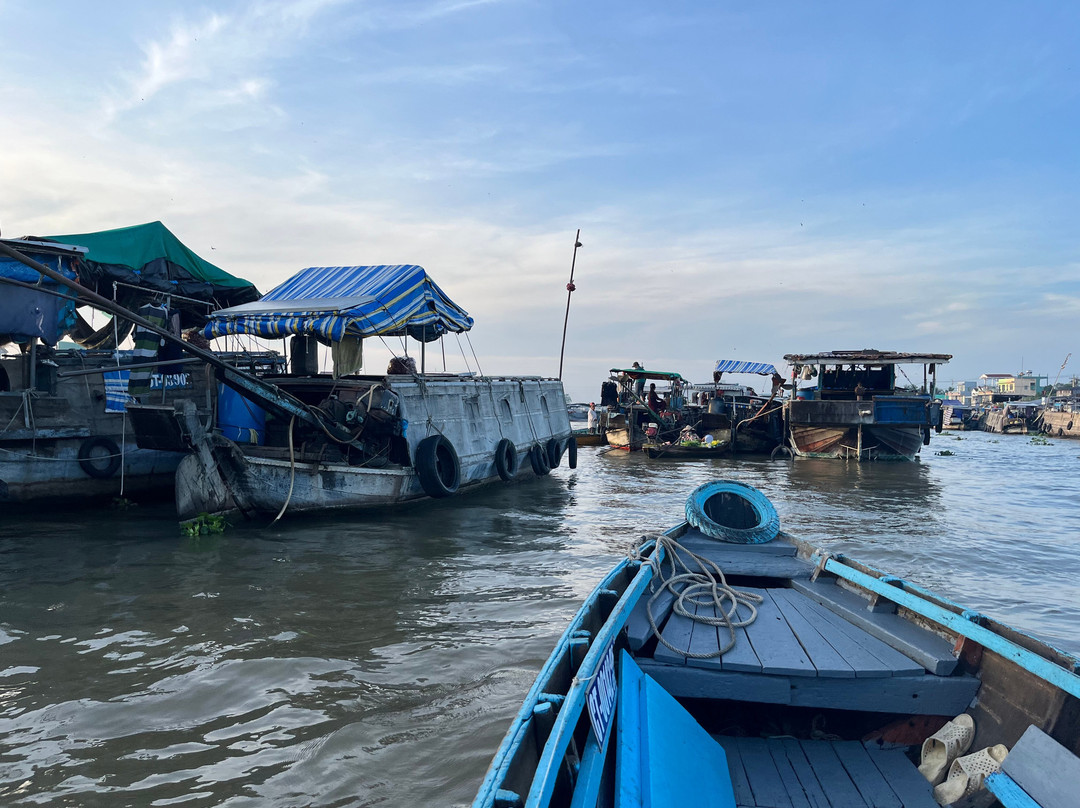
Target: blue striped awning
column 735, row 366
column 335, row 302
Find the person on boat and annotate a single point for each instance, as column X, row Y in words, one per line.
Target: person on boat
column 593, row 418
column 639, row 385
column 656, row 403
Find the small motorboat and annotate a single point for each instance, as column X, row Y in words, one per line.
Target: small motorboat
column 725, row 663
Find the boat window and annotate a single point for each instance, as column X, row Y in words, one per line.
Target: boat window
column 507, row 413
column 5, row 383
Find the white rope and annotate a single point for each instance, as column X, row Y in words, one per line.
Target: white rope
column 292, row 472
column 704, row 586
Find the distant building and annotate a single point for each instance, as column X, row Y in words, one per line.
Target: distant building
column 962, row 392
column 1021, row 384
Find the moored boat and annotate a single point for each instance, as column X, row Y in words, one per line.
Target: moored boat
column 64, row 436
column 638, row 413
column 752, row 423
column 857, row 408
column 1006, row 419
column 1062, row 420
column 725, row 663
column 310, row 440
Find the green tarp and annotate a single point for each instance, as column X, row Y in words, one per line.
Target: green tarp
column 150, row 256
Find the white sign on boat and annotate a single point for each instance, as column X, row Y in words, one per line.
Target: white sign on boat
column 601, row 696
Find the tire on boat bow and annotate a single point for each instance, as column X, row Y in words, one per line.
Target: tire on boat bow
column 437, row 466
column 571, row 452
column 506, row 459
column 732, row 512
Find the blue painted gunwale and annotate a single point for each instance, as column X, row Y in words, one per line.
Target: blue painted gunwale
column 504, row 757
column 965, row 624
column 558, row 741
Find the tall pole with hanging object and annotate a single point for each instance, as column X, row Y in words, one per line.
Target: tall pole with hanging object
column 569, row 291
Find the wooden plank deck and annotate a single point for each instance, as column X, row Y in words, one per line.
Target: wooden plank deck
column 792, row 636
column 908, row 695
column 789, row 773
column 930, row 650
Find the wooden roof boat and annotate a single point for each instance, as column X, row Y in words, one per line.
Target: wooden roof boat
column 820, row 689
column 857, row 408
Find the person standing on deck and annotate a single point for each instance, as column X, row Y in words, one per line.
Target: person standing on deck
column 639, row 385
column 593, row 420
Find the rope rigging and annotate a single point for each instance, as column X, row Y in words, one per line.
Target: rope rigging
column 705, row 585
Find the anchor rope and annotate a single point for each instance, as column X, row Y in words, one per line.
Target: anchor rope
column 693, row 581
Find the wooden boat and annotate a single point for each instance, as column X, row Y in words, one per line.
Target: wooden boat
column 1004, row 419
column 630, row 421
column 678, row 451
column 63, row 432
column 586, row 438
column 753, row 423
column 819, row 689
column 857, row 410
column 310, row 440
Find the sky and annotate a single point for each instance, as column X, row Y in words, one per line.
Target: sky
column 749, row 179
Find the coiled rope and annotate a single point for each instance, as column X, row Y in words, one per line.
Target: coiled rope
column 704, row 586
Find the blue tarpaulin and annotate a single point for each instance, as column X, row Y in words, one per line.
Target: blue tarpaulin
column 25, row 313
column 735, row 366
column 336, row 302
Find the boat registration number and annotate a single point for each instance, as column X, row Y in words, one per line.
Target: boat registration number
column 600, row 696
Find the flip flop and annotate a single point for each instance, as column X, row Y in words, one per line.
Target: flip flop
column 967, row 773
column 945, row 746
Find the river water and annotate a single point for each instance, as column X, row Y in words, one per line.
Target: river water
column 378, row 658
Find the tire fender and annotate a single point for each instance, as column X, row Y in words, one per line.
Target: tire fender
column 732, row 512
column 571, row 452
column 506, row 459
column 554, row 451
column 538, row 458
column 91, row 464
column 437, row 466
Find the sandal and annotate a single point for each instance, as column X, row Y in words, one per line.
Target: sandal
column 945, row 746
column 967, row 773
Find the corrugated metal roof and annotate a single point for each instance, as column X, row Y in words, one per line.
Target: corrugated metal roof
column 868, row 356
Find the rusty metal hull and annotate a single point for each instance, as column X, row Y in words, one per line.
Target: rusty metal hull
column 1061, row 424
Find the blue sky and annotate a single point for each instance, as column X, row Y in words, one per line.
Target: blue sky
column 750, row 179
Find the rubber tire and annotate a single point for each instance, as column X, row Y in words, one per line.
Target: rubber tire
column 86, row 460
column 554, row 452
column 538, row 458
column 437, row 466
column 767, row 528
column 506, row 459
column 571, row 452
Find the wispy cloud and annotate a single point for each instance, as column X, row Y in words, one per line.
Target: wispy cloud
column 215, row 49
